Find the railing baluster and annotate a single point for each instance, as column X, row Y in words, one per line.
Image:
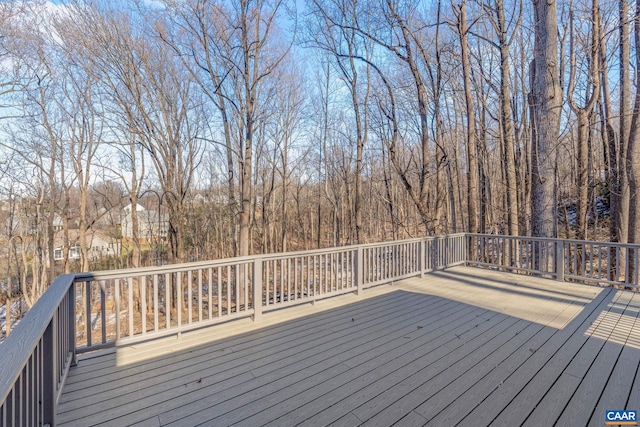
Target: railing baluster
column 635, row 266
column 103, row 311
column 156, row 308
column 315, row 272
column 228, row 290
column 143, row 314
column 130, row 307
column 322, row 267
column 209, row 293
column 117, row 306
column 12, row 406
column 88, row 312
column 617, row 263
column 199, row 295
column 39, row 351
column 219, row 291
column 609, row 268
column 190, row 296
column 343, row 270
column 257, row 289
column 295, row 277
column 238, row 296
column 30, row 409
column 245, row 267
column 167, row 300
column 50, row 374
column 179, row 298
column 599, row 261
column 332, row 271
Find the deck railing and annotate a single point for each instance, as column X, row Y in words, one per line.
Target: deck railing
column 36, row 357
column 596, row 263
column 88, row 311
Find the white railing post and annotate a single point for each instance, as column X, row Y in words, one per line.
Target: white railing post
column 559, row 258
column 359, row 273
column 257, row 289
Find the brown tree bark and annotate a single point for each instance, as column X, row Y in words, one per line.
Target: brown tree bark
column 472, row 146
column 620, row 215
column 508, row 137
column 546, row 101
column 583, row 114
column 633, row 154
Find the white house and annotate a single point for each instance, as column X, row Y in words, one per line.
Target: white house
column 151, row 224
column 98, row 245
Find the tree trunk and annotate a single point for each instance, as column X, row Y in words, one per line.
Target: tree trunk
column 633, row 156
column 620, row 218
column 546, row 101
column 584, row 113
column 472, row 147
column 507, row 126
column 611, row 149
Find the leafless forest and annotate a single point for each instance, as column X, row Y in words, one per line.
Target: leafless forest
column 148, row 132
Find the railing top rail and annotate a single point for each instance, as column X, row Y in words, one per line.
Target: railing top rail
column 598, row 243
column 19, row 345
column 502, row 236
column 164, row 269
column 174, row 268
column 556, row 239
column 339, row 248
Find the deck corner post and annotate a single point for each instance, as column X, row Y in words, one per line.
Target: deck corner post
column 359, row 273
column 559, row 260
column 257, row 289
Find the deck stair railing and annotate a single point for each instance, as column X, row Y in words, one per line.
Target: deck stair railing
column 89, row 311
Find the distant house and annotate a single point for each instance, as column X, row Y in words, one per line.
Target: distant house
column 99, row 245
column 151, row 224
column 74, row 252
column 58, row 223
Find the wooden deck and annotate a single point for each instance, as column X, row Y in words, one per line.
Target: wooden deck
column 460, row 347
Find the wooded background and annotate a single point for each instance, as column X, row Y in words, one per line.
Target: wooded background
column 274, row 125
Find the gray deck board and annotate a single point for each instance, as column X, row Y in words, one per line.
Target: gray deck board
column 469, row 389
column 275, row 399
column 274, row 395
column 464, row 346
column 583, row 403
column 569, row 366
column 239, row 364
column 532, row 373
column 368, row 368
column 218, row 358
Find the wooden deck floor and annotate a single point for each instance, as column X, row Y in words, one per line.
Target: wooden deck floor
column 464, row 347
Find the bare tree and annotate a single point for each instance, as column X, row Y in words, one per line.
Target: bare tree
column 154, row 94
column 620, row 187
column 334, row 31
column 545, row 100
column 472, row 147
column 584, row 112
column 633, row 154
column 235, row 51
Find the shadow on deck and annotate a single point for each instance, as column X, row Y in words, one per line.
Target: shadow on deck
column 463, row 346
